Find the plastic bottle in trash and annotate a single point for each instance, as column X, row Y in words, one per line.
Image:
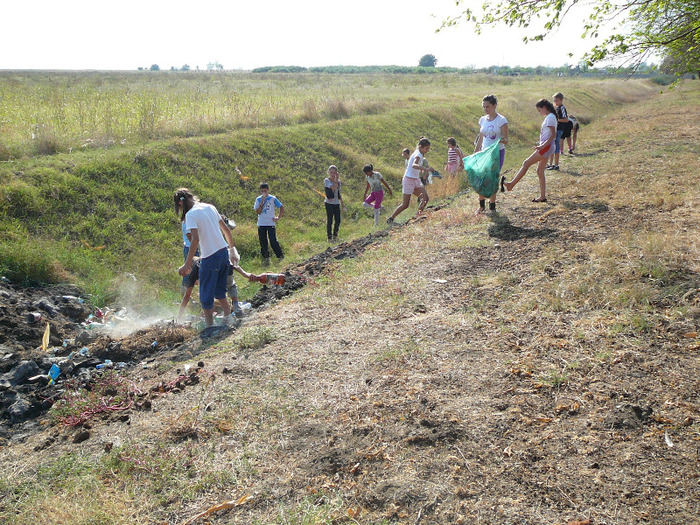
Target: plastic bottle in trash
column 54, row 372
column 269, row 278
column 106, row 364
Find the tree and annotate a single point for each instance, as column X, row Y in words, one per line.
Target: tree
column 641, row 27
column 155, row 67
column 427, row 61
column 186, row 67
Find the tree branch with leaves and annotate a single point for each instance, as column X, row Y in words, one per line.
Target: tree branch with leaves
column 641, row 28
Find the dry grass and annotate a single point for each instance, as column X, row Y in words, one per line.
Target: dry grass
column 480, row 370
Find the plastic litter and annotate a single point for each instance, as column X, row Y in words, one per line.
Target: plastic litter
column 72, row 298
column 54, row 372
column 269, row 278
column 106, row 364
column 154, row 344
column 45, row 338
column 483, row 170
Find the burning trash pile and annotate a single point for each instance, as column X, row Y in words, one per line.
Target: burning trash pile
column 50, row 336
column 52, row 340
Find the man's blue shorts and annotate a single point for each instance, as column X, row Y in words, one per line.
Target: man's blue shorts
column 213, row 271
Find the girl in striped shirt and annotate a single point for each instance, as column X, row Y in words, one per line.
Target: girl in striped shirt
column 454, row 157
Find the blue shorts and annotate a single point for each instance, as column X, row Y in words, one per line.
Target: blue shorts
column 557, row 144
column 213, row 271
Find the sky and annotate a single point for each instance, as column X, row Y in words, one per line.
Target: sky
column 244, row 34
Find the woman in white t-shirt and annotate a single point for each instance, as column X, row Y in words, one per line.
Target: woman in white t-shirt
column 543, row 150
column 493, row 127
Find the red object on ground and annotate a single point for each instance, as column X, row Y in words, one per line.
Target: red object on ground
column 270, row 278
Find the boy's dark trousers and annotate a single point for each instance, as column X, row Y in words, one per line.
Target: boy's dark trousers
column 265, row 233
column 332, row 213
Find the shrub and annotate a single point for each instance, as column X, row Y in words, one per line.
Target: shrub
column 255, row 337
column 29, row 263
column 663, row 80
column 336, row 109
column 46, row 142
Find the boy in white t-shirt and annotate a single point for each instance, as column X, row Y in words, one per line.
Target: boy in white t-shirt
column 265, row 206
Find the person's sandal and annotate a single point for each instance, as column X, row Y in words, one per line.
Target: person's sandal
column 537, row 199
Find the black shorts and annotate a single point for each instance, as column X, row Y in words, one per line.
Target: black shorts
column 566, row 129
column 192, row 277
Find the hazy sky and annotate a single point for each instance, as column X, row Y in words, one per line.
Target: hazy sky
column 243, row 34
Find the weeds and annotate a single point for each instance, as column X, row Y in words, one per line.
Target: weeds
column 108, row 393
column 190, row 424
column 405, row 349
column 255, row 337
column 313, row 510
column 555, row 379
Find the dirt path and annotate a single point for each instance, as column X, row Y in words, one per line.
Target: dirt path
column 462, row 370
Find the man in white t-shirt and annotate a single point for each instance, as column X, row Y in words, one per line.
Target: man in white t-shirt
column 209, row 233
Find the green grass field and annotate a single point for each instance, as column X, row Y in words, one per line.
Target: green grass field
column 503, row 393
column 100, row 205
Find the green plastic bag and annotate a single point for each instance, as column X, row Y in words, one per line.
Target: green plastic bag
column 483, row 170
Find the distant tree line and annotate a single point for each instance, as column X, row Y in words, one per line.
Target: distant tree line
column 565, row 70
column 211, row 66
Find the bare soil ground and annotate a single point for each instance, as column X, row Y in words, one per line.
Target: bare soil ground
column 462, row 369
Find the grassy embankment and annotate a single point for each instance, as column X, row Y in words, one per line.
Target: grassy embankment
column 101, row 205
column 553, row 317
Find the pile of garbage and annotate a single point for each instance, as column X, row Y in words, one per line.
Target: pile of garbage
column 50, row 335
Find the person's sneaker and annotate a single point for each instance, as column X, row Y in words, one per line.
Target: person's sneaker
column 555, row 167
column 571, row 152
column 549, row 167
column 390, row 221
column 266, row 261
column 281, row 257
column 330, row 239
